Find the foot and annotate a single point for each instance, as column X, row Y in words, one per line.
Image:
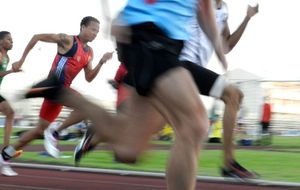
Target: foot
column 7, row 171
column 9, row 152
column 84, row 146
column 235, row 170
column 50, row 143
column 5, row 168
column 47, row 88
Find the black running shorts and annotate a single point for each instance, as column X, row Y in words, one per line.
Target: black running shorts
column 204, row 78
column 149, row 55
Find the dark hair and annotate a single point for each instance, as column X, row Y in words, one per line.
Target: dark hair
column 86, row 21
column 3, row 34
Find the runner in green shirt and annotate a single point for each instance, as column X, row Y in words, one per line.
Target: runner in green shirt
column 6, row 44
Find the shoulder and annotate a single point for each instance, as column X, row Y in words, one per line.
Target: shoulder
column 90, row 53
column 89, row 49
column 65, row 36
column 64, row 40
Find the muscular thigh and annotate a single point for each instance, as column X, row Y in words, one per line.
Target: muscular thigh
column 180, row 101
column 141, row 112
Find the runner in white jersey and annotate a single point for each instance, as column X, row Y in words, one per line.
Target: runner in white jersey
column 195, row 56
column 198, row 49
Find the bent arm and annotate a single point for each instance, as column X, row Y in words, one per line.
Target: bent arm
column 91, row 73
column 62, row 40
column 230, row 40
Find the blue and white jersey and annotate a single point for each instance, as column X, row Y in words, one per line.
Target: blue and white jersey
column 171, row 16
column 198, row 49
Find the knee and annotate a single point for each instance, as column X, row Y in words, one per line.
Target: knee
column 10, row 113
column 232, row 96
column 194, row 130
column 127, row 157
column 39, row 132
column 200, row 130
column 41, row 127
column 240, row 95
column 125, row 160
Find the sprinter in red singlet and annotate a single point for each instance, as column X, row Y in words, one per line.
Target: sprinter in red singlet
column 73, row 55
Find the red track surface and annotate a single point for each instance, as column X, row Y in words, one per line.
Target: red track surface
column 38, row 179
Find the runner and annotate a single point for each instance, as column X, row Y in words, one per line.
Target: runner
column 73, row 55
column 6, row 44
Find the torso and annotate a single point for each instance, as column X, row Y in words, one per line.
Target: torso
column 67, row 66
column 170, row 16
column 198, row 48
column 3, row 65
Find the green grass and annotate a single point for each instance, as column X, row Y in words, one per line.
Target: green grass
column 276, row 166
column 278, row 142
column 286, row 142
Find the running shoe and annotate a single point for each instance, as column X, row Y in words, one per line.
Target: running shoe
column 237, row 171
column 84, row 146
column 6, row 169
column 50, row 143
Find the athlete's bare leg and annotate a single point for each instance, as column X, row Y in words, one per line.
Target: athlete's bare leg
column 122, row 130
column 232, row 98
column 32, row 134
column 6, row 109
column 152, row 119
column 183, row 109
column 74, row 117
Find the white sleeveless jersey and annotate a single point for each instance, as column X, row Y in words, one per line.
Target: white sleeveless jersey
column 198, row 49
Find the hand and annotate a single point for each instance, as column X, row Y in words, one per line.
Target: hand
column 107, row 56
column 16, row 66
column 251, row 11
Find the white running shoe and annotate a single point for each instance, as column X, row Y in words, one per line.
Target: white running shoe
column 50, row 143
column 7, row 171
